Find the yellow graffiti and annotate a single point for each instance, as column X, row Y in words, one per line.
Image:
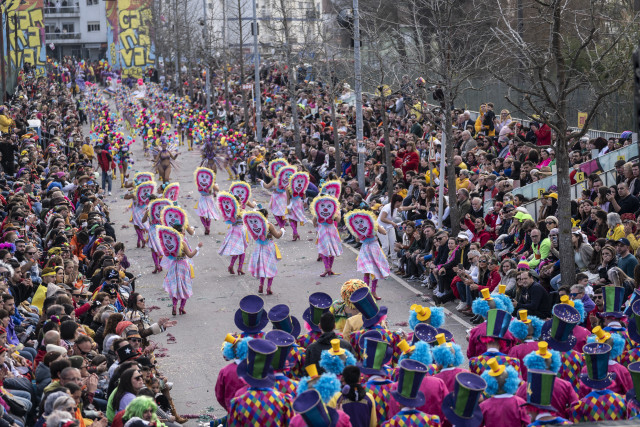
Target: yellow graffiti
column 136, row 49
column 25, row 30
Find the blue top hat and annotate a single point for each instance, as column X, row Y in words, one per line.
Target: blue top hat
column 613, row 299
column 375, row 354
column 319, row 303
column 497, row 323
column 558, row 332
column 635, row 296
column 251, row 317
column 633, row 330
column 540, row 388
column 256, row 370
column 410, row 377
column 364, row 302
column 314, row 412
column 427, row 333
column 461, row 406
column 284, row 342
column 634, row 370
column 282, row 320
column 596, row 358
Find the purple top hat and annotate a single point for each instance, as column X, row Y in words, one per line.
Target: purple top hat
column 497, row 323
column 284, row 342
column 427, row 333
column 319, row 303
column 461, row 405
column 251, row 317
column 375, row 354
column 314, row 412
column 363, row 300
column 282, row 320
column 410, row 375
column 596, row 358
column 633, row 330
column 635, row 296
column 558, row 333
column 256, row 370
column 634, row 370
column 540, row 388
column 613, row 299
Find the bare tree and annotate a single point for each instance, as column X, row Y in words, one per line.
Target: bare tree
column 577, row 45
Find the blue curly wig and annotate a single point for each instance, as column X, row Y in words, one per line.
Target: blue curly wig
column 422, row 353
column 442, row 355
column 436, row 320
column 327, row 385
column 510, row 385
column 578, row 305
column 534, row 361
column 520, row 330
column 239, row 352
column 480, row 307
column 616, row 341
column 334, row 364
column 507, row 305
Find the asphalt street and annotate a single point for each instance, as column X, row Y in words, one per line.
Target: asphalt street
column 189, row 353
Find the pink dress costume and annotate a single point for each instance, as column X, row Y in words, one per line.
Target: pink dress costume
column 371, row 260
column 155, row 208
column 295, row 210
column 235, row 242
column 177, row 282
column 139, row 207
column 325, row 208
column 206, row 207
column 278, row 201
column 262, row 263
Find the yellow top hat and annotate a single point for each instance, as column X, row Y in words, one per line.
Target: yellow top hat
column 486, row 293
column 405, row 347
column 441, row 339
column 523, row 316
column 496, row 368
column 542, row 350
column 312, row 370
column 423, row 313
column 502, row 289
column 603, row 336
column 564, row 299
column 230, row 339
column 335, row 348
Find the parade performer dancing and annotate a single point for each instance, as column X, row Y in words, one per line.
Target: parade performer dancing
column 371, row 260
column 242, row 191
column 278, row 202
column 153, row 214
column 235, row 242
column 265, row 255
column 177, row 282
column 295, row 209
column 164, row 160
column 326, row 214
column 141, row 197
column 206, row 207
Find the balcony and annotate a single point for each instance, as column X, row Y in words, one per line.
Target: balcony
column 62, row 37
column 61, row 12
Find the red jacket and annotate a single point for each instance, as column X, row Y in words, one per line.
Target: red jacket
column 106, row 161
column 410, row 162
column 543, row 135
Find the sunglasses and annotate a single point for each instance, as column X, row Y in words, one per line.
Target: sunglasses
column 141, row 300
column 598, row 297
column 135, row 339
column 574, row 294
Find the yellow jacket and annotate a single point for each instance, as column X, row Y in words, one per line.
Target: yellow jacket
column 87, row 150
column 616, row 233
column 6, row 123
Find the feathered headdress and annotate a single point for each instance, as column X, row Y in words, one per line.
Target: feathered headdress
column 325, row 208
column 332, row 188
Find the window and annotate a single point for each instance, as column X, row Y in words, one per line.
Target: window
column 93, row 26
column 92, row 2
column 68, row 28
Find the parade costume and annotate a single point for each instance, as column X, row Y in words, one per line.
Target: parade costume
column 527, row 330
column 327, row 384
column 497, row 326
column 312, row 411
column 371, row 260
column 250, row 317
column 433, row 316
column 172, row 192
column 242, row 191
column 600, row 403
column 503, row 408
column 372, row 318
column 541, row 388
column 448, row 357
column 376, row 354
column 278, row 201
column 632, row 355
column 235, row 241
column 633, row 405
column 177, row 282
column 139, row 206
column 262, row 263
column 326, row 211
column 336, row 359
column 319, row 303
column 297, row 188
column 481, row 307
column 228, row 381
column 578, row 331
column 332, row 188
column 206, row 207
column 460, row 406
column 623, row 382
column 155, row 208
column 281, row 320
column 613, row 297
column 261, row 405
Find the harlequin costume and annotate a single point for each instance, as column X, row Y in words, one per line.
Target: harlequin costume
column 546, row 360
column 541, row 386
column 633, row 405
column 460, row 406
column 312, row 411
column 527, row 330
column 481, row 307
column 613, row 315
column 228, row 381
column 600, row 404
column 177, row 283
column 372, row 317
column 251, row 317
column 407, row 396
column 371, row 260
column 262, row 263
column 281, row 320
column 336, row 359
column 433, row 316
column 632, row 354
column 297, row 188
column 448, row 357
column 497, row 326
column 319, row 303
column 235, row 241
column 623, row 382
column 326, row 211
column 261, row 405
column 376, row 354
column 206, row 207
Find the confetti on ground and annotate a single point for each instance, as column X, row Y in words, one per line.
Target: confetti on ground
column 153, row 307
column 402, row 324
column 124, row 226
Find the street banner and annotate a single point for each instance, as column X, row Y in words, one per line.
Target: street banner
column 582, row 119
column 26, row 41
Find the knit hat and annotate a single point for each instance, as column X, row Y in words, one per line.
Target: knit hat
column 523, row 265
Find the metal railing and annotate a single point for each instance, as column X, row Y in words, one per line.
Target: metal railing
column 50, row 10
column 61, row 36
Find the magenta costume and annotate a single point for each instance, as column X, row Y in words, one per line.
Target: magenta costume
column 562, row 398
column 227, row 385
column 434, row 390
column 504, row 410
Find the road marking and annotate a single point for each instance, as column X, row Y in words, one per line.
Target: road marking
column 418, row 293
